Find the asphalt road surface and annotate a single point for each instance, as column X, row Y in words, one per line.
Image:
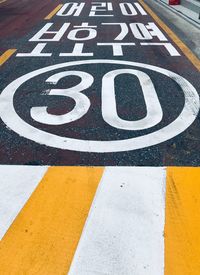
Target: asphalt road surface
column 137, row 102
column 98, row 102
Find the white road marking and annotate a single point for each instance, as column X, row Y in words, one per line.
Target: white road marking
column 77, row 51
column 170, row 48
column 82, row 102
column 45, row 31
column 180, row 124
column 36, row 52
column 75, row 9
column 116, row 47
column 154, row 111
column 124, row 231
column 16, row 186
column 146, row 32
column 140, row 8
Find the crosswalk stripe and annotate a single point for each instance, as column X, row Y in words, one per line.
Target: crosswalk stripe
column 182, row 226
column 16, row 186
column 43, row 238
column 124, row 230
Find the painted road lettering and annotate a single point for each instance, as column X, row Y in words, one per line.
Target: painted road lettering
column 85, row 32
column 69, row 9
column 101, row 9
column 87, row 96
column 91, row 84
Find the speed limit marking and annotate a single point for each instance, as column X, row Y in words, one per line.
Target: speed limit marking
column 109, row 111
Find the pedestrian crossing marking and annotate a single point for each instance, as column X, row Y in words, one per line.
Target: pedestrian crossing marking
column 43, row 238
column 182, row 225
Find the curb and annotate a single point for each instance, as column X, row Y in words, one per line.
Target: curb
column 188, row 19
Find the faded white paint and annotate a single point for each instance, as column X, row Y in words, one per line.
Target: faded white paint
column 140, row 8
column 100, row 8
column 75, row 9
column 154, row 111
column 85, row 28
column 146, row 32
column 169, row 47
column 82, row 103
column 16, row 186
column 123, row 32
column 124, row 231
column 36, row 52
column 77, row 51
column 181, row 123
column 116, row 47
column 45, row 31
column 128, row 9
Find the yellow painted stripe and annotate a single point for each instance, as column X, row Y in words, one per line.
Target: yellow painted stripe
column 44, row 236
column 182, row 228
column 188, row 53
column 6, row 55
column 51, row 14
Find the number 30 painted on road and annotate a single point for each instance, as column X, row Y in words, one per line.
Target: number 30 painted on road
column 109, row 109
column 182, row 122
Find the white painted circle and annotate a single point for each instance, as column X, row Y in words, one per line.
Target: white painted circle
column 181, row 123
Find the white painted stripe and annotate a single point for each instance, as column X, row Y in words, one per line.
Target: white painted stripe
column 16, row 186
column 170, row 48
column 124, row 231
